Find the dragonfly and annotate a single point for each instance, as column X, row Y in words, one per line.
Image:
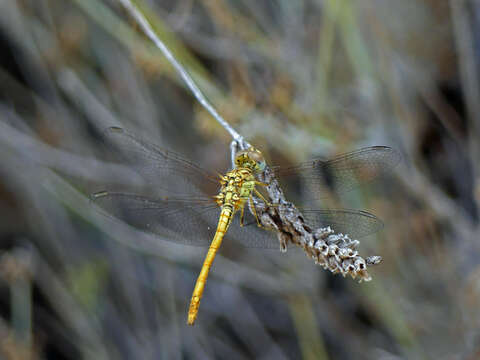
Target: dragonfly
column 189, row 205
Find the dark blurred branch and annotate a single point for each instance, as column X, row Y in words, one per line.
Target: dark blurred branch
column 76, row 90
column 468, row 73
column 66, row 162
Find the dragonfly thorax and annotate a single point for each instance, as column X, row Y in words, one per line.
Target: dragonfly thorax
column 237, row 185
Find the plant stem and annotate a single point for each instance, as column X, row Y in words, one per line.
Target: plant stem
column 147, row 29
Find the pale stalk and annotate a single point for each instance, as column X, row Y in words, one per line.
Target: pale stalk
column 147, row 29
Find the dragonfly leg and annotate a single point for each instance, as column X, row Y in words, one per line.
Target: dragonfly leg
column 260, row 183
column 262, row 197
column 254, row 211
column 242, row 214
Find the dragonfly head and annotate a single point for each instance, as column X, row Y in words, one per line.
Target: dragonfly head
column 250, row 158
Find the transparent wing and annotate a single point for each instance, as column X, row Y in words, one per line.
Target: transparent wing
column 182, row 220
column 250, row 234
column 193, row 221
column 164, row 170
column 344, row 172
column 185, row 220
column 355, row 223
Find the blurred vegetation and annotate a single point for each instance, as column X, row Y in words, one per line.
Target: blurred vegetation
column 298, row 79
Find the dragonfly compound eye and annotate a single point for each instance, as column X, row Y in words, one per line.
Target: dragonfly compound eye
column 251, row 158
column 261, row 165
column 256, row 156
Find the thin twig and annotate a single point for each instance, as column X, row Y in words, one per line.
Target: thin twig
column 147, row 28
column 233, row 152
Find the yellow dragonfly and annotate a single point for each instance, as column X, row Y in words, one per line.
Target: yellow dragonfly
column 179, row 209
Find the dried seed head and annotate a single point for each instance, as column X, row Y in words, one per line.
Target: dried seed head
column 343, row 253
column 373, row 260
column 346, row 264
column 283, row 239
column 360, row 264
column 334, row 239
column 333, row 251
column 323, row 233
column 353, row 244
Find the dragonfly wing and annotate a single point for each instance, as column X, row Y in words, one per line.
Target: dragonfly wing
column 346, row 171
column 355, row 223
column 186, row 220
column 166, row 171
column 250, row 234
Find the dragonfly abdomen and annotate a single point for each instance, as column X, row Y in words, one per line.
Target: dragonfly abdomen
column 223, row 222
